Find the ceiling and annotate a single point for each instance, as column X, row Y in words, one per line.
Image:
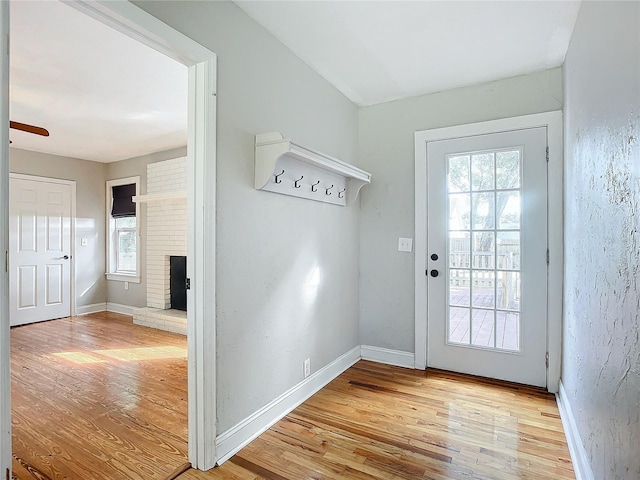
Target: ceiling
column 380, row 51
column 72, row 76
column 102, row 95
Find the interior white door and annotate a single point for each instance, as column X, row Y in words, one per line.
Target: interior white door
column 39, row 250
column 487, row 255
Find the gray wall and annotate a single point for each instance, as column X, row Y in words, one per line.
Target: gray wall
column 136, row 295
column 90, row 214
column 601, row 355
column 268, row 318
column 387, row 151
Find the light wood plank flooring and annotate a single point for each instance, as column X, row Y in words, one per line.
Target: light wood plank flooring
column 96, row 397
column 381, row 422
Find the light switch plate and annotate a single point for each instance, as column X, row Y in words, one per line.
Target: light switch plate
column 84, row 242
column 405, row 244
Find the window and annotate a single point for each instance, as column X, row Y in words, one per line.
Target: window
column 126, row 245
column 123, row 261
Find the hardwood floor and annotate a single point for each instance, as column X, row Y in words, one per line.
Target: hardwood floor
column 382, row 422
column 96, row 397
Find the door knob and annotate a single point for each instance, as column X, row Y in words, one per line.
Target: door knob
column 66, row 257
column 434, row 273
column 434, row 256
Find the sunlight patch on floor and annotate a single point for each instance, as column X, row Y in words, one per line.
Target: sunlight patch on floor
column 125, row 354
column 80, row 357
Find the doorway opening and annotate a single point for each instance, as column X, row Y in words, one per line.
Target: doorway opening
column 502, row 303
column 487, row 208
column 135, row 23
column 42, row 214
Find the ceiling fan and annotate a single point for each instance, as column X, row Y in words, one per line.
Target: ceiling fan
column 29, row 128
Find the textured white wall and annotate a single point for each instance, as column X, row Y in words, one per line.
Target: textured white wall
column 387, row 151
column 270, row 315
column 90, row 180
column 601, row 355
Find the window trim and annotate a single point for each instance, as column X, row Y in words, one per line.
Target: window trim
column 110, row 241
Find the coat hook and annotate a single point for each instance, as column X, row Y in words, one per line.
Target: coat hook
column 327, row 190
column 314, row 187
column 298, row 181
column 341, row 193
column 278, row 175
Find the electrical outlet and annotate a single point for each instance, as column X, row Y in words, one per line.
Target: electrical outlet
column 405, row 244
column 126, row 285
column 307, row 367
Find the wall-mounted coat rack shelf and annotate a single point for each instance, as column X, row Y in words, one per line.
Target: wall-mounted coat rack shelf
column 282, row 166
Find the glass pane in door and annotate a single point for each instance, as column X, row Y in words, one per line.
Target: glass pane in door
column 459, row 324
column 483, row 244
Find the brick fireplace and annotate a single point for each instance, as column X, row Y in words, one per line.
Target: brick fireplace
column 166, row 236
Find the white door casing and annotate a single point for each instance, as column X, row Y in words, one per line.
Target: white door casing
column 138, row 24
column 553, row 122
column 40, row 248
column 486, row 208
column 5, row 372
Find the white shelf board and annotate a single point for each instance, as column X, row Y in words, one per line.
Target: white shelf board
column 158, row 197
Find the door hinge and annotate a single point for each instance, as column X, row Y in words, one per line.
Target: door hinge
column 547, row 256
column 547, row 154
column 546, row 359
column 188, row 284
column 8, row 474
column 6, row 261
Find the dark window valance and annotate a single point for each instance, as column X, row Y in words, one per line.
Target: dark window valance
column 123, row 205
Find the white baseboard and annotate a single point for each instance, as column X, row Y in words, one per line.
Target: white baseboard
column 105, row 306
column 93, row 308
column 234, row 439
column 119, row 308
column 579, row 457
column 387, row 356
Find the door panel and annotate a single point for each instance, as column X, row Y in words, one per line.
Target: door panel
column 54, row 284
column 39, row 241
column 27, row 231
column 54, row 231
column 487, row 243
column 27, row 275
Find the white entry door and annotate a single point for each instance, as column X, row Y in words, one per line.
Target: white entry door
column 39, row 250
column 487, row 255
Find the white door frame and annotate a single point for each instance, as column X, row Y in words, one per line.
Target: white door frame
column 553, row 122
column 72, row 244
column 138, row 24
column 5, row 370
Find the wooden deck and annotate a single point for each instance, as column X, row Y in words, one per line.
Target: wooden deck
column 97, row 397
column 481, row 331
